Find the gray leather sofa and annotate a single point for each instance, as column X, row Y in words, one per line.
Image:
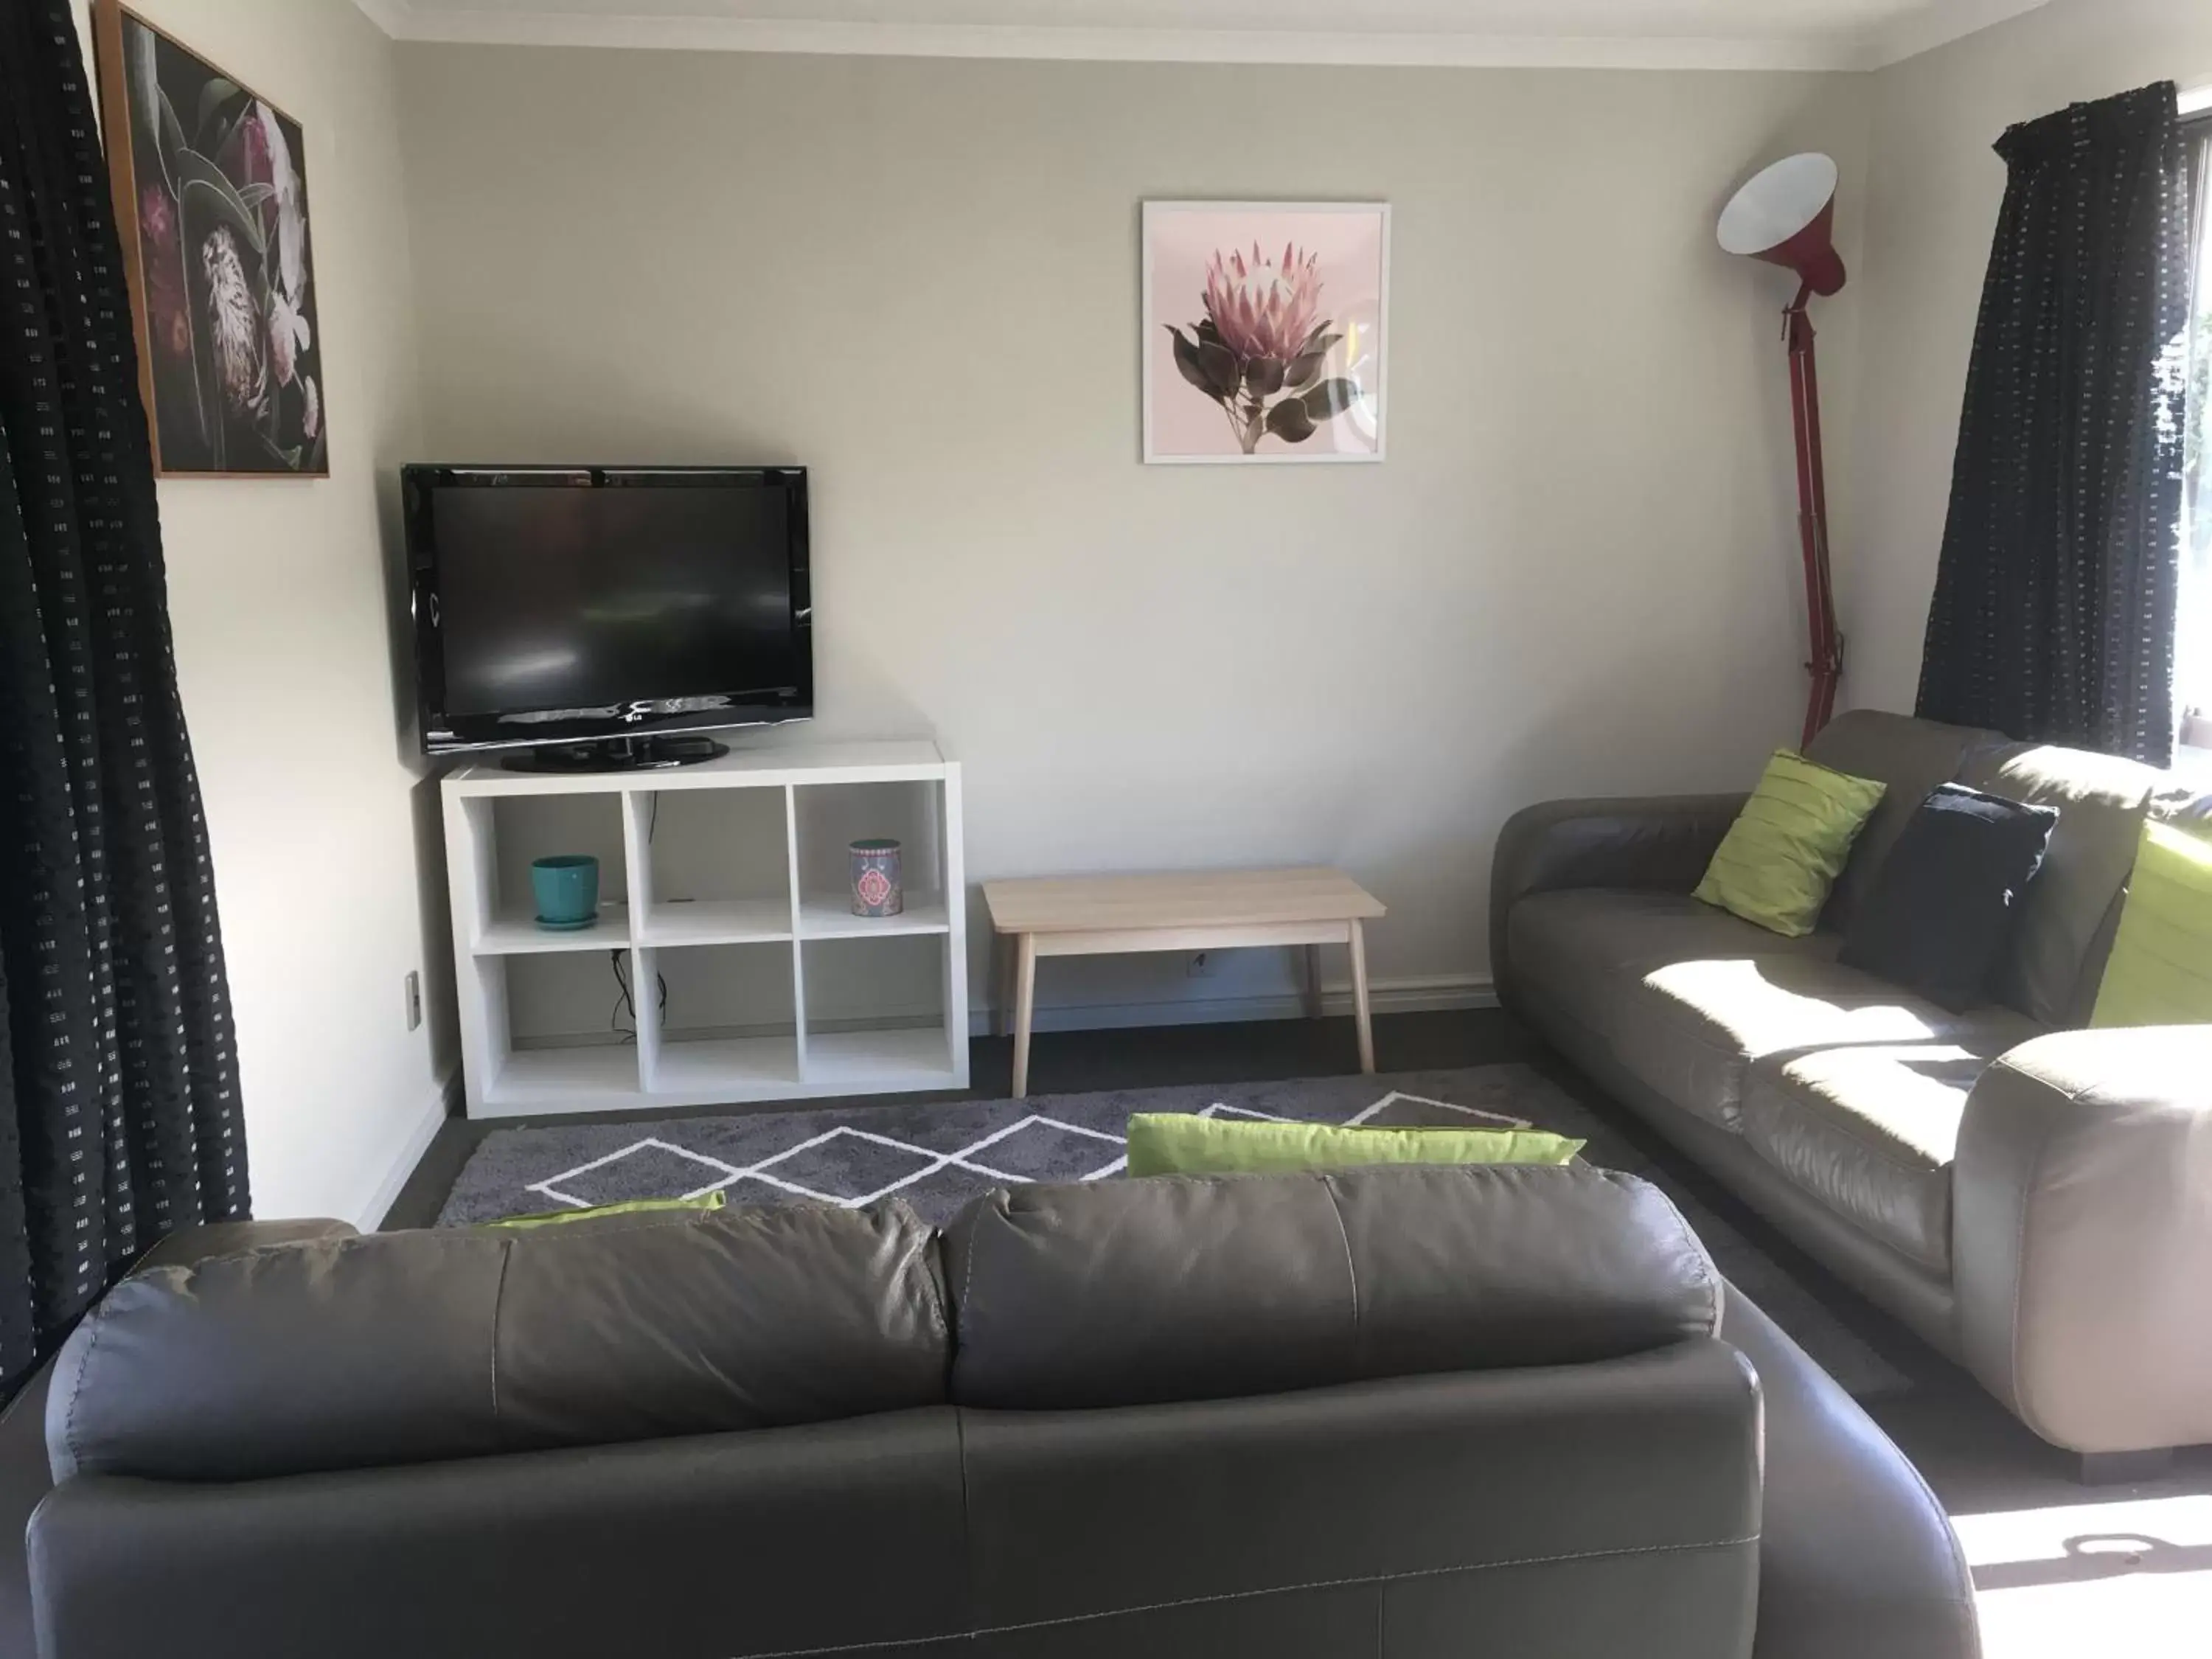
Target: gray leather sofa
column 1395, row 1412
column 2034, row 1199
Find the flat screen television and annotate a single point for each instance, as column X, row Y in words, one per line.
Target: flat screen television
column 582, row 614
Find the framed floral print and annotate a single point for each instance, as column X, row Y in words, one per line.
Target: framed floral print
column 1266, row 325
column 210, row 187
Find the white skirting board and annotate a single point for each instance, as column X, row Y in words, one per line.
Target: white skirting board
column 1398, row 996
column 442, row 1102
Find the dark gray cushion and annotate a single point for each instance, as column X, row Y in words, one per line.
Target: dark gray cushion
column 2052, row 970
column 1911, row 756
column 1945, row 904
column 409, row 1346
column 1134, row 1293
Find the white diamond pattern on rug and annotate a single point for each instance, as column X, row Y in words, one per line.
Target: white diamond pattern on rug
column 842, row 1165
column 852, row 1167
column 588, row 1184
column 939, row 1155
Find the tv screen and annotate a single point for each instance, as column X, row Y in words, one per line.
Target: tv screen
column 560, row 605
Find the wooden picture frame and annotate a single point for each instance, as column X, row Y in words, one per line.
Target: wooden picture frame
column 211, row 209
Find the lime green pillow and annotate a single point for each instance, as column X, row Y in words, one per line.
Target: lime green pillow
column 1784, row 850
column 1173, row 1143
column 2160, row 970
column 634, row 1206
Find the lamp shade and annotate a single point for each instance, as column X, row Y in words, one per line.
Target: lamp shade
column 1786, row 215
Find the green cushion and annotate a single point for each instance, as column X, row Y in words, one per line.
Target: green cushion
column 1782, row 853
column 2160, row 970
column 634, row 1206
column 1173, row 1143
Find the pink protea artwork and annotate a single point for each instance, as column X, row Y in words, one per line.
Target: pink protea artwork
column 1267, row 342
column 1265, row 309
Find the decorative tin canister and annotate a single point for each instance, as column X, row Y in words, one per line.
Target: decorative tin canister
column 878, row 888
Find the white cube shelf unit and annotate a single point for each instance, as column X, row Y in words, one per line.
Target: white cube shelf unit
column 724, row 920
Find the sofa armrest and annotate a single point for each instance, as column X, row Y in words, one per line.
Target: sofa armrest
column 1662, row 841
column 27, row 1476
column 2082, row 1237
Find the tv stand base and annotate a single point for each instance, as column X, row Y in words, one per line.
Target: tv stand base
column 616, row 755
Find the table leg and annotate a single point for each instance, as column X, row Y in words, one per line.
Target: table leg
column 1003, row 946
column 1025, row 1010
column 1360, row 998
column 1312, row 981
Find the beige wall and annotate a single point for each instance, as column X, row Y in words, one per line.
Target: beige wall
column 282, row 610
column 1575, row 574
column 1935, row 188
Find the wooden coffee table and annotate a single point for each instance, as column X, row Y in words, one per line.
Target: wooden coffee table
column 1201, row 910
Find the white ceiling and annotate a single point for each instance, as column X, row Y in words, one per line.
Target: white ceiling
column 1605, row 34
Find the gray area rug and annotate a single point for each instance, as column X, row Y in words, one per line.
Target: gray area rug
column 938, row 1156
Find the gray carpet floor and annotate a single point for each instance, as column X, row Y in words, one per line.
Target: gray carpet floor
column 939, row 1155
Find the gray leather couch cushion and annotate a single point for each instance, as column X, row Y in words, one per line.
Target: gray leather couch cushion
column 1688, row 996
column 1575, row 942
column 1912, row 756
column 1694, row 1028
column 409, row 1346
column 1871, row 1131
column 2051, row 970
column 1697, row 1027
column 1181, row 1288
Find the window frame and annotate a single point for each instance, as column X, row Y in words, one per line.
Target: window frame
column 2194, row 715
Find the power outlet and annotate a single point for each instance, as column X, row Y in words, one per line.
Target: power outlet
column 1200, row 965
column 414, row 1000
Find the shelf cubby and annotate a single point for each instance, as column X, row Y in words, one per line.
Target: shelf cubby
column 711, row 867
column 877, row 1007
column 731, row 881
column 551, row 1035
column 827, row 818
column 505, row 834
column 731, row 1019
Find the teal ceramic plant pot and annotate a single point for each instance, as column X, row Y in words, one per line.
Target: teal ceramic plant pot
column 567, row 889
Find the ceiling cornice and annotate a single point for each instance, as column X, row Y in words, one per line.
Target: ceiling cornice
column 394, row 17
column 1924, row 31
column 404, row 21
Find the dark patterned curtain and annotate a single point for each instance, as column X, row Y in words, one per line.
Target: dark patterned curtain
column 118, row 1097
column 2053, row 618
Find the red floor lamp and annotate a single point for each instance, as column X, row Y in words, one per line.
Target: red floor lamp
column 1786, row 216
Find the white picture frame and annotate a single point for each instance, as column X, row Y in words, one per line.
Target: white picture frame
column 1342, row 249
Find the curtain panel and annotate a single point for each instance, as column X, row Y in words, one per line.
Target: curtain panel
column 120, row 1113
column 2054, row 611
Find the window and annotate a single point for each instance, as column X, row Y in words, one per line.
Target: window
column 2193, row 644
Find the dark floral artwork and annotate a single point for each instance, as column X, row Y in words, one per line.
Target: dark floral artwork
column 211, row 196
